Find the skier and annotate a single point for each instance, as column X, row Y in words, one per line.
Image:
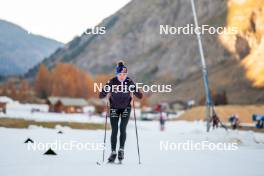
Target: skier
column 234, row 120
column 215, row 120
column 260, row 121
column 163, row 116
column 120, row 89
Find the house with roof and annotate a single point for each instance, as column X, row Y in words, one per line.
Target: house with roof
column 4, row 100
column 66, row 104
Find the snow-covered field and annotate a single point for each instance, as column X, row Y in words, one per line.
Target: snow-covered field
column 248, row 159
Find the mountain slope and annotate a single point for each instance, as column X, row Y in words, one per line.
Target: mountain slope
column 132, row 34
column 248, row 44
column 20, row 51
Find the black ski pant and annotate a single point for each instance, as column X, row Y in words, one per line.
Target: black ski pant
column 115, row 115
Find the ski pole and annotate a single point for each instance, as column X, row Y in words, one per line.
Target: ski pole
column 107, row 109
column 139, row 162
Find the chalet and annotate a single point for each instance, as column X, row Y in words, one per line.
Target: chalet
column 177, row 105
column 172, row 106
column 3, row 102
column 66, row 104
column 99, row 104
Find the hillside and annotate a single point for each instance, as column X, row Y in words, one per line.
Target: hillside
column 132, row 34
column 248, row 44
column 20, row 51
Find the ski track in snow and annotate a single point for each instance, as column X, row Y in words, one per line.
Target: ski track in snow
column 17, row 160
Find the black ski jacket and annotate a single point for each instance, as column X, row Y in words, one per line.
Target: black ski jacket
column 120, row 97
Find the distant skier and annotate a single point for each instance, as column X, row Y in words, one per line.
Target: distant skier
column 163, row 116
column 234, row 120
column 119, row 88
column 215, row 120
column 259, row 123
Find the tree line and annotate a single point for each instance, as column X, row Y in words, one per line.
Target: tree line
column 66, row 80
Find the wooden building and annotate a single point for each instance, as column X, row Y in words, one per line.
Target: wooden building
column 66, row 104
column 3, row 102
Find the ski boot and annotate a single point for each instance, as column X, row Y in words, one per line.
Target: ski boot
column 112, row 157
column 120, row 155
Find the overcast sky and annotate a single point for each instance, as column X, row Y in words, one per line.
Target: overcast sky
column 58, row 19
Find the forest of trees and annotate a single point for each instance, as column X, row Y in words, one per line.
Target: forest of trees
column 66, row 80
column 70, row 81
column 17, row 89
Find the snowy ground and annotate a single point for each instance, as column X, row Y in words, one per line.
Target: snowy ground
column 248, row 160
